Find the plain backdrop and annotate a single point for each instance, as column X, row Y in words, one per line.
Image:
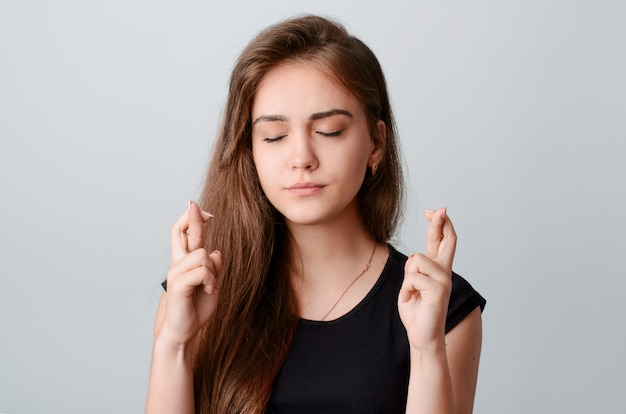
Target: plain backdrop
column 511, row 113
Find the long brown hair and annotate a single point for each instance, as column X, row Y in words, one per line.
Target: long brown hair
column 238, row 354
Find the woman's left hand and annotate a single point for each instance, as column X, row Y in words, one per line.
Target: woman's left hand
column 425, row 292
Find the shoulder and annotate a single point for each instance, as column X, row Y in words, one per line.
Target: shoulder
column 395, row 264
column 463, row 300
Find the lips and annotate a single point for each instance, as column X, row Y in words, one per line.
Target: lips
column 305, row 189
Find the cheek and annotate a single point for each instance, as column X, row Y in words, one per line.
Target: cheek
column 264, row 169
column 354, row 160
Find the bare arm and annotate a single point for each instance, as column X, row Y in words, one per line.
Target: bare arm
column 171, row 376
column 464, row 343
column 444, row 381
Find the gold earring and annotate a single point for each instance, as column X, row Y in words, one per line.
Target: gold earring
column 374, row 168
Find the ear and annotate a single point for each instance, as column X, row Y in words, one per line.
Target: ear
column 379, row 139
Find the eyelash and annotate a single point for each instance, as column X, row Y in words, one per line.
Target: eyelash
column 273, row 139
column 331, row 134
column 324, row 134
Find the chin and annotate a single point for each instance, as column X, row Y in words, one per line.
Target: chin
column 307, row 219
column 303, row 221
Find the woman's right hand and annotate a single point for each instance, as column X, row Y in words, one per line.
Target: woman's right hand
column 192, row 281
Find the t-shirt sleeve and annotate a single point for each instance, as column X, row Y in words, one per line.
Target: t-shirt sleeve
column 463, row 300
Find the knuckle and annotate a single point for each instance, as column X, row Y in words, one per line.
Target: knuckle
column 173, row 285
column 419, row 258
column 175, row 226
column 204, row 272
column 413, row 262
column 170, row 275
column 198, row 254
column 447, row 282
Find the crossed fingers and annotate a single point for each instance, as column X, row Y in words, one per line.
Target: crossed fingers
column 187, row 233
column 440, row 237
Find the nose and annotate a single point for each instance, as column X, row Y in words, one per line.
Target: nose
column 303, row 152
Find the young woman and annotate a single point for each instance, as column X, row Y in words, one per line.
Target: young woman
column 290, row 299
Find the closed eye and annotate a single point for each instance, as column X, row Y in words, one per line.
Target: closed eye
column 330, row 134
column 274, row 139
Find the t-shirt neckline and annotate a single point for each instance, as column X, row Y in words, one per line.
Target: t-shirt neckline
column 393, row 253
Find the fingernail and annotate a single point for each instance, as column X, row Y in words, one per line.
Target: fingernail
column 189, row 205
column 443, row 213
column 206, row 215
column 429, row 211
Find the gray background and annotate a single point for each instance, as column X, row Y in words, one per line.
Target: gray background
column 512, row 114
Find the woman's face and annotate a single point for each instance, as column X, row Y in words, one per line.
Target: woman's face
column 311, row 145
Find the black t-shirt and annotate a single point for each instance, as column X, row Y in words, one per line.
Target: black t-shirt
column 359, row 363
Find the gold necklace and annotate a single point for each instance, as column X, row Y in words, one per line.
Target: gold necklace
column 365, row 269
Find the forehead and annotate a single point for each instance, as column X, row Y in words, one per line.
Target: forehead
column 301, row 88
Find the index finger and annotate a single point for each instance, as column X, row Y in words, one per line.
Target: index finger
column 195, row 229
column 187, row 233
column 178, row 237
column 441, row 237
column 434, row 235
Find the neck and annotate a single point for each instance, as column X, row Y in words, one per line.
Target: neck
column 328, row 274
column 339, row 249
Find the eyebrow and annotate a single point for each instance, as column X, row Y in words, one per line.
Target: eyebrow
column 326, row 114
column 313, row 117
column 270, row 118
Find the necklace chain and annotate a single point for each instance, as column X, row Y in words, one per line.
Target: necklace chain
column 365, row 269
